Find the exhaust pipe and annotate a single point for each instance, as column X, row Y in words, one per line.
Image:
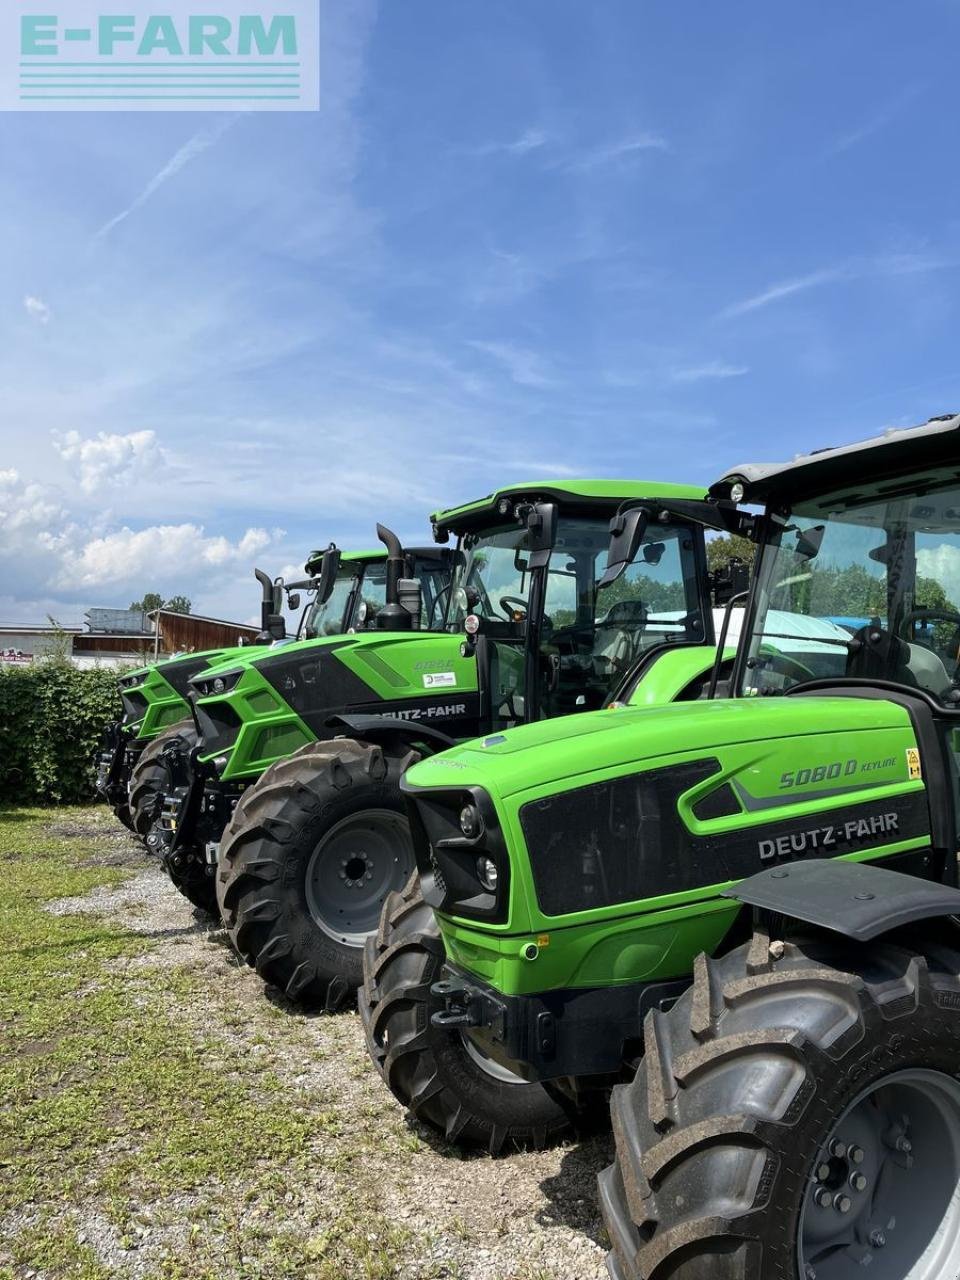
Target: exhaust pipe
column 272, row 625
column 393, row 616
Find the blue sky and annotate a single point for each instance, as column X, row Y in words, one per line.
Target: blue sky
column 548, row 238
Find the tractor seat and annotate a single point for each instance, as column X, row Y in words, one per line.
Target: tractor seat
column 616, row 635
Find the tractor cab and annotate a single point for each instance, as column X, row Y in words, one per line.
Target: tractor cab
column 359, row 591
column 871, row 551
column 561, row 592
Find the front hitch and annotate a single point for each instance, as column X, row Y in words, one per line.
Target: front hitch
column 467, row 1006
column 111, row 761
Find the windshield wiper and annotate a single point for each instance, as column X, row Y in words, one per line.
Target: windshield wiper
column 779, row 635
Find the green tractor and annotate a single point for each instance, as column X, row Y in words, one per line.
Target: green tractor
column 740, row 911
column 154, row 702
column 189, row 783
column 315, row 847
column 154, row 697
column 342, row 589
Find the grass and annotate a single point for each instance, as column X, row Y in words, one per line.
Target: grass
column 162, row 1120
column 117, row 1115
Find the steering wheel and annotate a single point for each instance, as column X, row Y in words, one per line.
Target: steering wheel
column 935, row 615
column 773, row 660
column 927, row 615
column 507, row 601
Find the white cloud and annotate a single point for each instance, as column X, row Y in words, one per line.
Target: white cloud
column 712, row 369
column 783, row 289
column 196, row 146
column 52, row 563
column 109, row 459
column 853, row 137
column 614, row 152
column 36, row 308
column 162, row 553
column 943, row 564
column 880, row 266
column 525, row 367
column 24, row 507
column 529, row 140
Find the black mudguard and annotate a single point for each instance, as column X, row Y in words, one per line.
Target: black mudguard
column 386, row 728
column 859, row 900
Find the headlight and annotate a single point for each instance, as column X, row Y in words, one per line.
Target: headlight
column 210, row 686
column 471, row 823
column 487, row 873
column 461, row 853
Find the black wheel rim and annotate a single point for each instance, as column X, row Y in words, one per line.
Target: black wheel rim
column 353, row 868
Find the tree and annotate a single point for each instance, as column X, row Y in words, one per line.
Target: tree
column 152, row 600
column 727, row 547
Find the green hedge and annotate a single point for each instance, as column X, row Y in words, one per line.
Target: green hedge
column 52, row 717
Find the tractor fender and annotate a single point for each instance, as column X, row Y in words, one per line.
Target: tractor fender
column 387, row 728
column 856, row 899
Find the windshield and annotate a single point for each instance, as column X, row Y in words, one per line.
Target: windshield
column 327, row 619
column 588, row 638
column 489, row 569
column 655, row 599
column 863, row 589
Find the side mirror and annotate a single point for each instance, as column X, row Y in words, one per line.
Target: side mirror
column 293, row 600
column 329, row 568
column 541, row 521
column 626, row 533
column 809, row 542
column 276, row 626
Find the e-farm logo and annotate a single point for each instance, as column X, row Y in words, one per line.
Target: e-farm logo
column 175, row 55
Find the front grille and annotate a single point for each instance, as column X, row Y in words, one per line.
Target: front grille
column 611, row 842
column 437, row 874
column 134, row 707
column 219, row 725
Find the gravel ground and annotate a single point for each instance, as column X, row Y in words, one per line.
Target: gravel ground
column 525, row 1216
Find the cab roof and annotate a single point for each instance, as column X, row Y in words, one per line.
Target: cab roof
column 583, row 496
column 352, row 559
column 884, row 464
column 315, row 558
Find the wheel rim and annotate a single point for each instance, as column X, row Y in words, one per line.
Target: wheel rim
column 353, row 868
column 883, row 1191
column 489, row 1066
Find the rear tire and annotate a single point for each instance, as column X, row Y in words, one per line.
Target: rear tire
column 151, row 778
column 778, row 1079
column 432, row 1072
column 310, row 855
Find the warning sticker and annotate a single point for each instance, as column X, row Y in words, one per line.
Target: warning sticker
column 439, row 679
column 913, row 764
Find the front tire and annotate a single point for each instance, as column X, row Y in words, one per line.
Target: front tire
column 437, row 1075
column 124, row 814
column 307, row 861
column 151, row 778
column 796, row 1116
